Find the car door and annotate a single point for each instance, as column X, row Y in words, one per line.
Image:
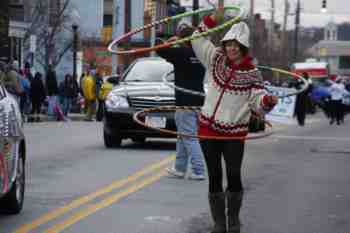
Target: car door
column 3, row 164
column 10, row 134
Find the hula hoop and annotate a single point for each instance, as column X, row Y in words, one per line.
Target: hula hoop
column 167, row 20
column 305, row 86
column 185, row 90
column 172, row 108
column 188, row 91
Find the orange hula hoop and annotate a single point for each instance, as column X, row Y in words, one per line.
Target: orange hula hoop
column 137, row 115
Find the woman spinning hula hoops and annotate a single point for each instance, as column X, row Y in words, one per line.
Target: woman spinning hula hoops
column 235, row 89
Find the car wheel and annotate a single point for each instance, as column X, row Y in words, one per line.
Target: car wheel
column 138, row 139
column 111, row 141
column 12, row 203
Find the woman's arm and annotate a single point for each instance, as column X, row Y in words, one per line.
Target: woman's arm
column 203, row 47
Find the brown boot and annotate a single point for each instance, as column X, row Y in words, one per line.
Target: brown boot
column 234, row 202
column 217, row 209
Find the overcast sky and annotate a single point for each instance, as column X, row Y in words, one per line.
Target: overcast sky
column 338, row 10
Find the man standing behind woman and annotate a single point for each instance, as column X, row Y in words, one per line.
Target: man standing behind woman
column 235, row 89
column 189, row 74
column 303, row 101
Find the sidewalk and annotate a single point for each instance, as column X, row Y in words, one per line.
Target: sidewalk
column 71, row 116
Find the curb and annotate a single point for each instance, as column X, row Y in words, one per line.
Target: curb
column 46, row 118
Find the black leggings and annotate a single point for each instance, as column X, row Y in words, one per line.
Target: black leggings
column 337, row 110
column 232, row 151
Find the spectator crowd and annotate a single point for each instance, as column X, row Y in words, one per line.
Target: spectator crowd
column 39, row 94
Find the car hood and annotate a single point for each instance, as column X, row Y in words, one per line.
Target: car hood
column 143, row 89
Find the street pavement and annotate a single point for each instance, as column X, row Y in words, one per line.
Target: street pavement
column 295, row 181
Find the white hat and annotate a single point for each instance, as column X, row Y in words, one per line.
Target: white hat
column 239, row 32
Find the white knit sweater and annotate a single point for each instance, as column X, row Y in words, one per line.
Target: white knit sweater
column 232, row 94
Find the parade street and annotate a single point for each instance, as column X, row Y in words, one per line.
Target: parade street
column 295, row 181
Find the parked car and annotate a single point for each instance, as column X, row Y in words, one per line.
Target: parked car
column 141, row 86
column 12, row 155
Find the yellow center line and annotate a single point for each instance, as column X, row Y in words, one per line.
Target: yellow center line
column 103, row 204
column 26, row 228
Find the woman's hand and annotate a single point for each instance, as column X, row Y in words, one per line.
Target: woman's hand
column 270, row 100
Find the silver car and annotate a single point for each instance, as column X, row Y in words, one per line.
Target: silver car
column 12, row 155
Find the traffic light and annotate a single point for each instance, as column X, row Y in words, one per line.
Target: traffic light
column 324, row 6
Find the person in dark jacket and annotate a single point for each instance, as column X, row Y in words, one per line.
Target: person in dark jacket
column 52, row 90
column 69, row 92
column 100, row 102
column 302, row 101
column 51, row 83
column 189, row 74
column 37, row 95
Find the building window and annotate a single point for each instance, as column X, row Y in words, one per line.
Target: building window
column 107, row 20
column 344, row 62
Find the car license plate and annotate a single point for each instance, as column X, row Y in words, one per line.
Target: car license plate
column 156, row 122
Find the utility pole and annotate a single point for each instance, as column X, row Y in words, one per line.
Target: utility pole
column 195, row 18
column 272, row 30
column 252, row 7
column 4, row 31
column 296, row 31
column 252, row 24
column 75, row 50
column 153, row 30
column 284, row 32
column 118, row 28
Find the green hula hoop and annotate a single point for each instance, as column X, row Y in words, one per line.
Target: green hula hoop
column 173, row 43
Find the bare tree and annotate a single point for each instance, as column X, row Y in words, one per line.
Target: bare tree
column 50, row 21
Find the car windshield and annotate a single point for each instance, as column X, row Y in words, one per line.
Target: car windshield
column 149, row 71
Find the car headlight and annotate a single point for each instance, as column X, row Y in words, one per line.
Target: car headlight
column 116, row 101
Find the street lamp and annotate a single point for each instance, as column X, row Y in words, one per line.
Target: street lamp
column 75, row 49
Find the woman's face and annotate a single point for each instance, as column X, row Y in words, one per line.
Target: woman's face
column 233, row 51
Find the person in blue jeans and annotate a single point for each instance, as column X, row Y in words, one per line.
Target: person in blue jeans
column 187, row 148
column 189, row 74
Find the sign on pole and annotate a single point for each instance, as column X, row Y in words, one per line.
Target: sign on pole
column 284, row 110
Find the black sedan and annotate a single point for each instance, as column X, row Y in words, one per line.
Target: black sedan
column 140, row 87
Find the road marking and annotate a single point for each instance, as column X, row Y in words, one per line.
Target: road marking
column 103, row 204
column 87, row 198
column 311, row 138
